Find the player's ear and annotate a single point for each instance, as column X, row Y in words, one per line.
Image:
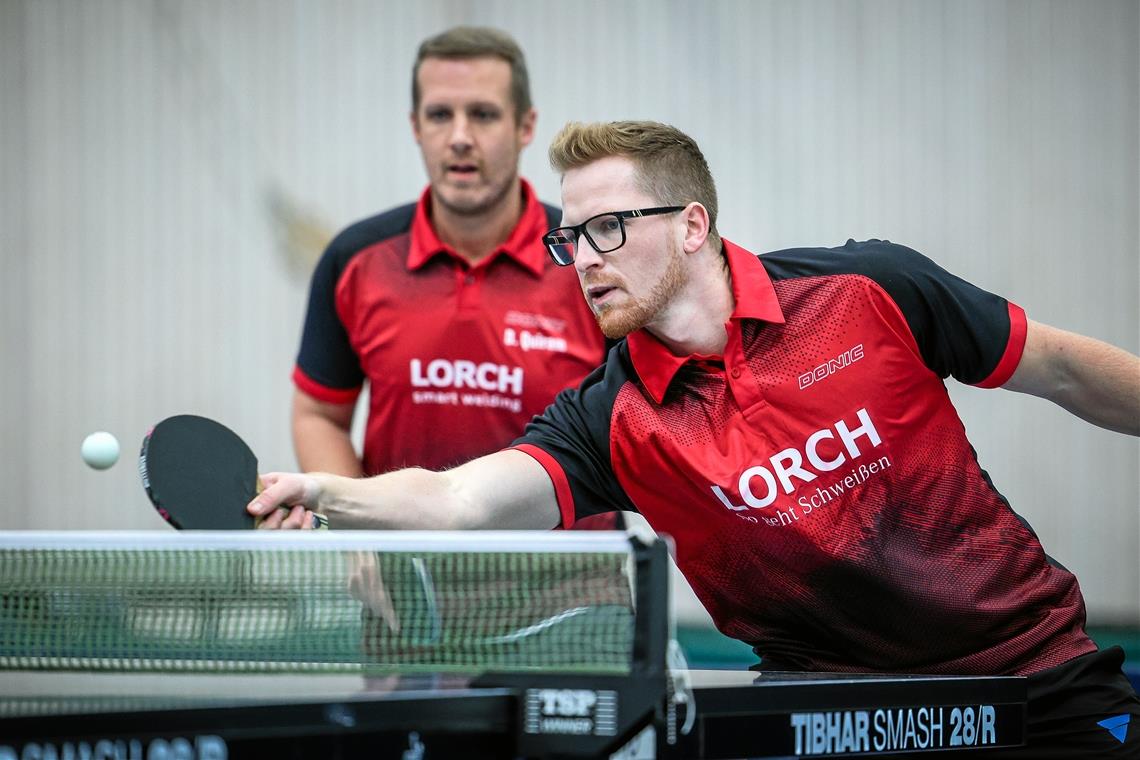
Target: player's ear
column 526, row 127
column 696, row 220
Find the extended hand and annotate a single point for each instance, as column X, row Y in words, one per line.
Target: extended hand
column 287, row 502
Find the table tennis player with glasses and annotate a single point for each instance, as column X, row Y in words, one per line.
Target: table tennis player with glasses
column 517, row 644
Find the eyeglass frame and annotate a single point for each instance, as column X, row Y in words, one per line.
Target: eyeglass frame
column 579, row 230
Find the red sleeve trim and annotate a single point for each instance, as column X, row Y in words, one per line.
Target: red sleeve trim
column 1013, row 349
column 557, row 476
column 322, row 392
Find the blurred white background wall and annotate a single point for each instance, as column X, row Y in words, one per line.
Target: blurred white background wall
column 167, row 165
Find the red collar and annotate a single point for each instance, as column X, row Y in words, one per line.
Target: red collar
column 754, row 298
column 524, row 244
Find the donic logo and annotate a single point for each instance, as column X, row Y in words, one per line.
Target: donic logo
column 831, row 366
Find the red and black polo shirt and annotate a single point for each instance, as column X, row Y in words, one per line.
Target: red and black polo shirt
column 826, row 505
column 459, row 357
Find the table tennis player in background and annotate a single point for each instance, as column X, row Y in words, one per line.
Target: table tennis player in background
column 449, row 307
column 784, row 417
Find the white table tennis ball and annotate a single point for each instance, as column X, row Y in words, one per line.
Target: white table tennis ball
column 100, row 450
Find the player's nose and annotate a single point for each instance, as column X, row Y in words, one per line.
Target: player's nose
column 460, row 138
column 585, row 257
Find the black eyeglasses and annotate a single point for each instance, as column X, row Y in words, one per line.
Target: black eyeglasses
column 605, row 232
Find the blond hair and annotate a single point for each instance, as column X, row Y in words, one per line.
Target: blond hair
column 669, row 164
column 464, row 42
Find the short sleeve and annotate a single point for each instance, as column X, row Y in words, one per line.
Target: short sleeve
column 961, row 330
column 571, row 441
column 327, row 368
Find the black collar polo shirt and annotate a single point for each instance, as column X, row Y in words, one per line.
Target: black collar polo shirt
column 826, row 505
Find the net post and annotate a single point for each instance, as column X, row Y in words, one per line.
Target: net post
column 652, row 628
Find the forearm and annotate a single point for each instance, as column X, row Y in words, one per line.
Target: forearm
column 323, row 447
column 321, row 437
column 411, row 499
column 1109, row 395
column 1091, row 379
column 507, row 490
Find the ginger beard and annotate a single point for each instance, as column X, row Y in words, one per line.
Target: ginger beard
column 619, row 320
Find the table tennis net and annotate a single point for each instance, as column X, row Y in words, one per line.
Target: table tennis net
column 253, row 605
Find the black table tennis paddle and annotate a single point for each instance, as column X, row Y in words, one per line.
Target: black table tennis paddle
column 200, row 475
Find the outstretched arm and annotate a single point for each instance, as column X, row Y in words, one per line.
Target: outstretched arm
column 1093, row 380
column 504, row 490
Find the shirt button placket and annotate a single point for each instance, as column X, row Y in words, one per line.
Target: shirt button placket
column 743, row 385
column 468, row 289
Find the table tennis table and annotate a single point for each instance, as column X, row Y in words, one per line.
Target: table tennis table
column 213, row 693
column 725, row 714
